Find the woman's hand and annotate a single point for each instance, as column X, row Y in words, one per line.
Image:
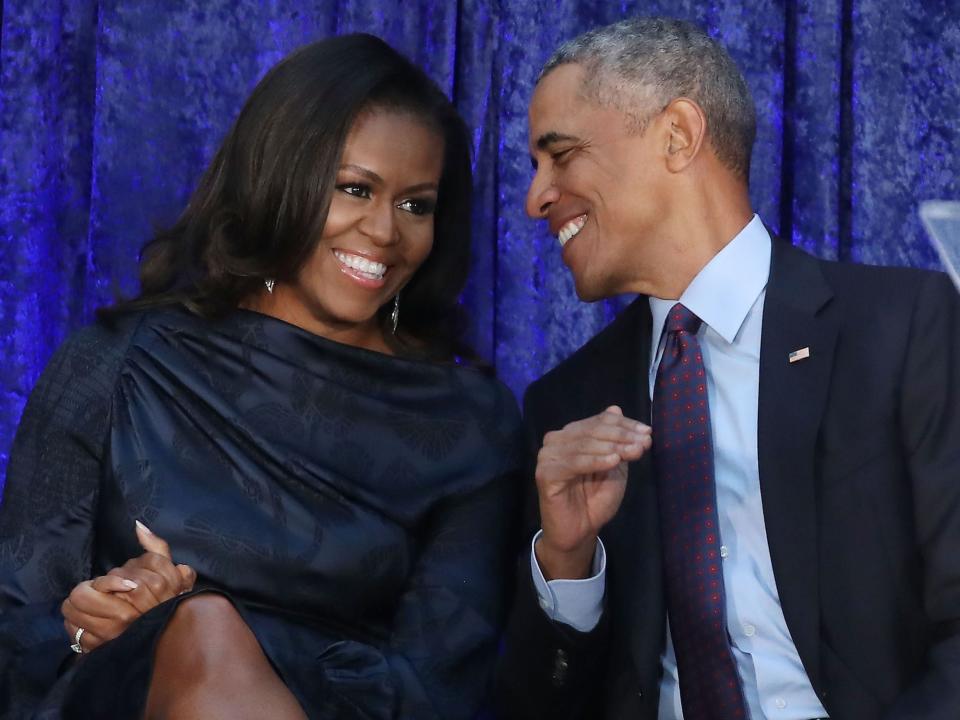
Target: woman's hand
column 106, row 606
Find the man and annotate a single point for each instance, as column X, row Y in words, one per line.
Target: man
column 784, row 542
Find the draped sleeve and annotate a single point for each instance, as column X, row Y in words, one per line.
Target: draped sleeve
column 444, row 635
column 48, row 509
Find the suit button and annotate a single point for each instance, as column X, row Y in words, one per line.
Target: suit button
column 560, row 665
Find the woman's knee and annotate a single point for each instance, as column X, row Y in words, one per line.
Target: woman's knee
column 209, row 664
column 207, row 610
column 209, row 627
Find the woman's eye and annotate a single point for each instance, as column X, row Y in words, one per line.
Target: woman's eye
column 361, row 191
column 418, row 206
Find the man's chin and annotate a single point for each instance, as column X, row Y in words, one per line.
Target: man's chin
column 589, row 291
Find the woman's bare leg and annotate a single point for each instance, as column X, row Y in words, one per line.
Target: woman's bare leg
column 209, row 665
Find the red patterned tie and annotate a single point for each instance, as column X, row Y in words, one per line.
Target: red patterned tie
column 683, row 460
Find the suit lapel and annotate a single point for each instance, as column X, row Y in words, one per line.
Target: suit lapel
column 792, row 400
column 632, row 538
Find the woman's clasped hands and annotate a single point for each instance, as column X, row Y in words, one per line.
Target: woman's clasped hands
column 107, row 605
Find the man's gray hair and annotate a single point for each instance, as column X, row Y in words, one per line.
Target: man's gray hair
column 640, row 65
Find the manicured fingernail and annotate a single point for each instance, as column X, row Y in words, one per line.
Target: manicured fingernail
column 144, row 528
column 129, row 584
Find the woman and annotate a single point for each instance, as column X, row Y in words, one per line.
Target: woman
column 286, row 406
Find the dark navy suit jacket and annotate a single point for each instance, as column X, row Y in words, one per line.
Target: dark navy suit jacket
column 859, row 459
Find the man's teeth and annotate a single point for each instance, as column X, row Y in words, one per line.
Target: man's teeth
column 571, row 229
column 370, row 268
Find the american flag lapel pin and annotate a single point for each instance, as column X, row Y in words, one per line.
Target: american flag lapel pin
column 798, row 355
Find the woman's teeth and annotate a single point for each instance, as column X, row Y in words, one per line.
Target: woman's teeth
column 571, row 229
column 367, row 268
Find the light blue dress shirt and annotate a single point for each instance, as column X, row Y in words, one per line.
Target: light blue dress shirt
column 728, row 296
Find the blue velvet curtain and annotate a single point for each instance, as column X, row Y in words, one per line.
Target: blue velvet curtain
column 109, row 110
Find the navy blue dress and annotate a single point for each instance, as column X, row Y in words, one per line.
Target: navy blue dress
column 357, row 508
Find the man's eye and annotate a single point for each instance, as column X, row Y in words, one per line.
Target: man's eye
column 361, row 191
column 561, row 155
column 418, row 206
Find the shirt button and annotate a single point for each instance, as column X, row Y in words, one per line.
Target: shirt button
column 749, row 630
column 780, row 703
column 724, row 551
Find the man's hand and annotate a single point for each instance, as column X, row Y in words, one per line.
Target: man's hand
column 581, row 478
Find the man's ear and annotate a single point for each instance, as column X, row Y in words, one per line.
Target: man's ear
column 686, row 132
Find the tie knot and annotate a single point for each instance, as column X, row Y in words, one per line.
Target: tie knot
column 680, row 318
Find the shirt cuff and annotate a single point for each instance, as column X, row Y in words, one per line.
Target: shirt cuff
column 577, row 603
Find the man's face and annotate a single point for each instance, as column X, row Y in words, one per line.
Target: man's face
column 600, row 187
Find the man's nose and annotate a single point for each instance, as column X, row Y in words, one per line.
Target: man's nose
column 541, row 195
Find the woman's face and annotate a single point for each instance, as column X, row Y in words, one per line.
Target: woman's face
column 378, row 232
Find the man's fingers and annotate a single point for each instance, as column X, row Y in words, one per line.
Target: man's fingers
column 588, row 465
column 585, row 446
column 622, row 425
column 602, row 433
column 576, row 465
column 605, row 426
column 635, row 450
column 152, row 543
column 628, row 445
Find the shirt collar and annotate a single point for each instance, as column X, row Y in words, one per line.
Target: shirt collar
column 723, row 292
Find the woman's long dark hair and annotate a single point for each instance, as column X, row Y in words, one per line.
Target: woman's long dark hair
column 261, row 205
